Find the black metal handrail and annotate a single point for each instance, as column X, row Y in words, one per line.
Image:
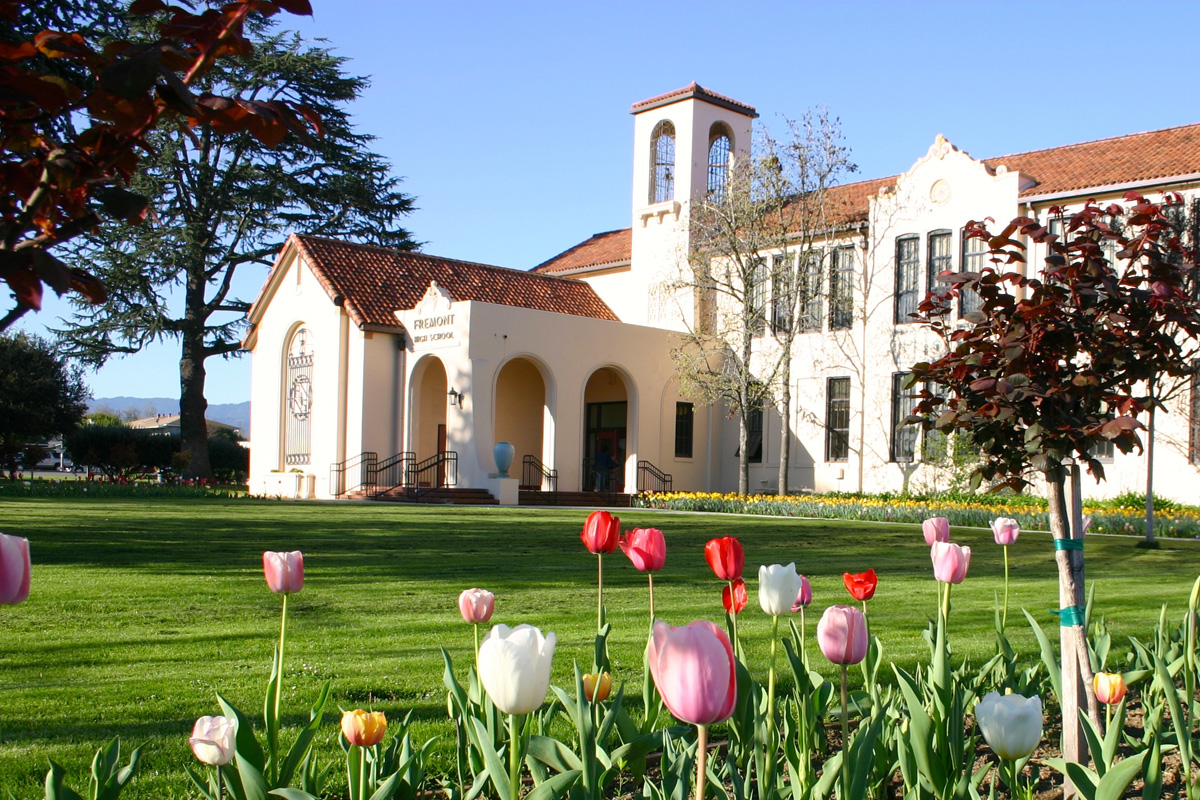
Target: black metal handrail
column 537, row 476
column 443, row 468
column 346, row 476
column 390, row 473
column 652, row 479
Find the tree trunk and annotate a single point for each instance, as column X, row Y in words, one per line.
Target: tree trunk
column 785, row 432
column 1066, row 523
column 193, row 429
column 1150, row 479
column 743, row 456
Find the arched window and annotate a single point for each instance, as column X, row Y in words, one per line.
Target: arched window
column 297, row 399
column 718, row 162
column 662, row 162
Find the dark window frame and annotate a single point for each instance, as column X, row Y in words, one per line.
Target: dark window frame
column 837, row 436
column 720, row 151
column 685, row 425
column 938, row 262
column 908, row 277
column 975, row 255
column 903, row 444
column 841, row 289
column 662, row 162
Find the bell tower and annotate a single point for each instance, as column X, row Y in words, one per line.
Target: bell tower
column 684, row 144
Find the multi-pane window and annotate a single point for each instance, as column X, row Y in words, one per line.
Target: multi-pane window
column 904, row 437
column 1104, row 450
column 662, row 162
column 837, row 419
column 756, row 296
column 782, row 289
column 908, row 277
column 841, row 289
column 810, row 291
column 685, row 418
column 754, row 435
column 935, row 445
column 718, row 164
column 941, row 259
column 974, row 258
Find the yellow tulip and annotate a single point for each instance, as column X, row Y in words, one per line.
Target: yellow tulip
column 363, row 728
column 1109, row 687
column 591, row 692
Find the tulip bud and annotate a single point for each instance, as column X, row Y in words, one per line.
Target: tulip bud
column 213, row 740
column 733, row 596
column 804, row 596
column 595, row 694
column 842, row 634
column 363, row 728
column 601, row 532
column 725, row 557
column 284, row 571
column 646, row 548
column 14, row 569
column 476, row 605
column 1011, row 724
column 1005, row 530
column 950, row 562
column 936, row 529
column 778, row 587
column 1109, row 687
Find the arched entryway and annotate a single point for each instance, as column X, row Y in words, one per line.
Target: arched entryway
column 427, row 437
column 523, row 416
column 606, row 445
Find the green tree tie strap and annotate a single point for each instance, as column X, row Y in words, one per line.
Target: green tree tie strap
column 1069, row 616
column 1068, row 544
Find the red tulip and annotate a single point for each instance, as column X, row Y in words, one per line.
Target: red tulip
column 726, row 558
column 734, row 596
column 601, row 532
column 284, row 571
column 862, row 585
column 842, row 634
column 646, row 548
column 14, row 569
column 694, row 671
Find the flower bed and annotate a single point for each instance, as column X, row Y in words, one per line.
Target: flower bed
column 1121, row 515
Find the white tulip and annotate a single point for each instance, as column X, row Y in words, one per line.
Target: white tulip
column 1011, row 724
column 778, row 587
column 514, row 667
column 214, row 740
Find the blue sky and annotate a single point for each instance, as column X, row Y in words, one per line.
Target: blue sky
column 510, row 124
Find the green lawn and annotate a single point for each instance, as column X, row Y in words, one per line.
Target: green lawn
column 142, row 609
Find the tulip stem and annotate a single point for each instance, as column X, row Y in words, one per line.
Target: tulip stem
column 514, row 757
column 279, row 682
column 362, row 776
column 845, row 737
column 733, row 612
column 946, row 605
column 220, row 788
column 650, row 575
column 772, row 732
column 1004, row 618
column 476, row 626
column 599, row 593
column 701, row 760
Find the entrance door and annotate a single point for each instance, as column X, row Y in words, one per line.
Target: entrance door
column 606, row 434
column 441, row 448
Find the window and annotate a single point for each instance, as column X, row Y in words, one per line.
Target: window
column 782, row 297
column 718, row 162
column 662, row 162
column 1104, row 450
column 904, row 437
column 935, row 445
column 837, row 419
column 756, row 296
column 754, row 435
column 297, row 399
column 685, row 417
column 841, row 289
column 974, row 258
column 908, row 277
column 940, row 259
column 810, row 291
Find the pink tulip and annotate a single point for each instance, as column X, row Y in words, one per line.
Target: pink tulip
column 14, row 569
column 476, row 605
column 804, row 597
column 693, row 669
column 936, row 529
column 950, row 562
column 646, row 548
column 842, row 634
column 284, row 571
column 1005, row 530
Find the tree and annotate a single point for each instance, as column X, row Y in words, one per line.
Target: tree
column 1054, row 364
column 56, row 176
column 761, row 231
column 41, row 392
column 226, row 200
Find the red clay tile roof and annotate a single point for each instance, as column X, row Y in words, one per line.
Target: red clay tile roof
column 373, row 282
column 693, row 90
column 1138, row 157
column 608, row 248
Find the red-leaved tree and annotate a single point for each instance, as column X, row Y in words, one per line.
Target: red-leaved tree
column 71, row 138
column 1058, row 361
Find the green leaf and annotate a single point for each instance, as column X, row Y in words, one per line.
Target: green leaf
column 304, row 741
column 388, row 787
column 1084, row 779
column 553, row 754
column 201, row 784
column 920, row 730
column 1113, row 784
column 247, row 746
column 554, row 787
column 54, row 784
column 254, row 785
column 292, row 794
column 1049, row 657
column 492, row 760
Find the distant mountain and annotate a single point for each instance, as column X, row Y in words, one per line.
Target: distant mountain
column 235, row 414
